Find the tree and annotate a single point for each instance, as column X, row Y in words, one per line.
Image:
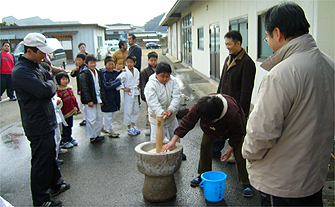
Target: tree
column 4, row 24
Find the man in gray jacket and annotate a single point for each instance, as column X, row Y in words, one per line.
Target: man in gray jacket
column 290, row 131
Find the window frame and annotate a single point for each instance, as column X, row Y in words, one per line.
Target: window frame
column 201, row 38
column 263, row 49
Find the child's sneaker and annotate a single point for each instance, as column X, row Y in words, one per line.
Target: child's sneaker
column 131, row 132
column 66, row 145
column 136, row 130
column 113, row 134
column 62, row 151
column 104, row 131
column 74, row 142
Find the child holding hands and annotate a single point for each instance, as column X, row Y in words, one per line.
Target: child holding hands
column 110, row 83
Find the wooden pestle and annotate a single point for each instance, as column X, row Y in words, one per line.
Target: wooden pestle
column 159, row 132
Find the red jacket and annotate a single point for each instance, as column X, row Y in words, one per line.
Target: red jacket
column 70, row 104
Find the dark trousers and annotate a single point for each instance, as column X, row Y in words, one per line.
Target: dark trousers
column 313, row 200
column 6, row 83
column 45, row 173
column 218, row 146
column 67, row 130
column 205, row 162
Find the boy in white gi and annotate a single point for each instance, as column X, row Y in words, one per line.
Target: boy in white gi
column 163, row 96
column 130, row 84
column 92, row 96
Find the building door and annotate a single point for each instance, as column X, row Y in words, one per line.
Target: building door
column 214, row 46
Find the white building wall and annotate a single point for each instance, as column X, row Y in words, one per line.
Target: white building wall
column 319, row 13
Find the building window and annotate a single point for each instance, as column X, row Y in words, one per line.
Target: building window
column 201, row 38
column 99, row 41
column 264, row 50
column 241, row 25
column 187, row 39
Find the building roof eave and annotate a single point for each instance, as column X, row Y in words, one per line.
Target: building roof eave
column 175, row 12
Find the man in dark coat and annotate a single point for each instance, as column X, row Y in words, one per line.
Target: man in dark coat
column 34, row 89
column 237, row 78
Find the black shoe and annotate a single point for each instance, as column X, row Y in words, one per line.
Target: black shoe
column 12, row 99
column 247, row 191
column 183, row 157
column 63, row 187
column 59, row 162
column 52, row 203
column 97, row 139
column 83, row 123
column 196, row 181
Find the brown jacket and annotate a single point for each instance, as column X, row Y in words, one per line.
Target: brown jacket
column 231, row 125
column 119, row 57
column 237, row 79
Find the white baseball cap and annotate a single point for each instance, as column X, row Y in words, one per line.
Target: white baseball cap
column 38, row 40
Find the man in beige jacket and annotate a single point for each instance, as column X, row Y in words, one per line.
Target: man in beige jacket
column 120, row 55
column 290, row 131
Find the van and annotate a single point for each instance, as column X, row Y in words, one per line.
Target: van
column 58, row 57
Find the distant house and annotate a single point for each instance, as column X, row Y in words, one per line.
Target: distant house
column 120, row 31
column 70, row 35
column 196, row 31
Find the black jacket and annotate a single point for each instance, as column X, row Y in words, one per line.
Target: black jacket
column 137, row 51
column 87, row 89
column 34, row 89
column 76, row 74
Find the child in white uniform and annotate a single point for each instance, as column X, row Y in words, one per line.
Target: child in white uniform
column 130, row 85
column 163, row 96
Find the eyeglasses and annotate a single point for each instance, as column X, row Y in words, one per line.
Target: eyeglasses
column 266, row 39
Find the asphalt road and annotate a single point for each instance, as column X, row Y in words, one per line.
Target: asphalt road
column 105, row 174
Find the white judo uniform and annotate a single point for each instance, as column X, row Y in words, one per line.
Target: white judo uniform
column 60, row 121
column 94, row 114
column 161, row 98
column 130, row 106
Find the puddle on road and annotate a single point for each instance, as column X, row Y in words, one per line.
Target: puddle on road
column 12, row 139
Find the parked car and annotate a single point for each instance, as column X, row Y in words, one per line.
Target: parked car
column 111, row 46
column 152, row 45
column 58, row 57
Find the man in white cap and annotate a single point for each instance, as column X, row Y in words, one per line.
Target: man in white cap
column 34, row 89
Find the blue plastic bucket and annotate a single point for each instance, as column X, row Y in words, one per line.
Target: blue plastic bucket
column 213, row 183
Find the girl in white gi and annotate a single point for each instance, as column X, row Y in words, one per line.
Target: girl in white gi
column 58, row 104
column 163, row 97
column 130, row 84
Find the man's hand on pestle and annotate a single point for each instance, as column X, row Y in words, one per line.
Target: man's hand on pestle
column 171, row 145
